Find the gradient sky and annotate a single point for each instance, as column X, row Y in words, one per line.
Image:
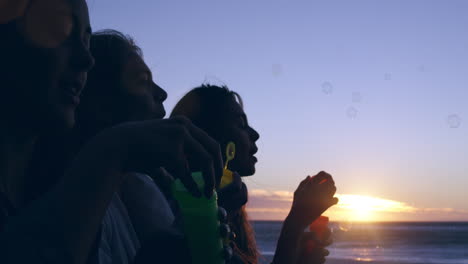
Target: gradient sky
column 373, row 92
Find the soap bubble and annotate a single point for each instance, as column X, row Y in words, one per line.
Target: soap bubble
column 454, row 121
column 351, row 112
column 356, row 97
column 327, row 88
column 276, row 69
column 387, row 76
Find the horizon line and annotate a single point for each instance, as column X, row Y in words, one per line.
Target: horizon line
column 452, row 221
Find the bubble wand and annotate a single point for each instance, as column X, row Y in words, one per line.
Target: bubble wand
column 227, row 174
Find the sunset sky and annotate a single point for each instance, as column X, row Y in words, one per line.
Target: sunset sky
column 374, row 92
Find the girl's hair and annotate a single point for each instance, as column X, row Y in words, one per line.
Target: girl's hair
column 245, row 245
column 204, row 106
column 21, row 66
column 111, row 50
column 9, row 35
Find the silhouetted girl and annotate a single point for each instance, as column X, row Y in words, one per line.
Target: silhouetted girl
column 45, row 60
column 219, row 112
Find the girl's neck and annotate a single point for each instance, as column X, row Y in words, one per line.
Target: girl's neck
column 15, row 153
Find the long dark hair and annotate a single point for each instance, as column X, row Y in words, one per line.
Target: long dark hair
column 204, row 106
column 23, row 66
column 103, row 92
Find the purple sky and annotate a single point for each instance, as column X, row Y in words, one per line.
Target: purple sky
column 373, row 92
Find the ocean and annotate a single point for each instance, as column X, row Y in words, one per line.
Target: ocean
column 406, row 243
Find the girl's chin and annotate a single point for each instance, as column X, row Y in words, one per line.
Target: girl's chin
column 248, row 172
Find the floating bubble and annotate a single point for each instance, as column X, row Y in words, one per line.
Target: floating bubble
column 351, row 112
column 276, row 69
column 387, row 76
column 356, row 97
column 454, row 121
column 327, row 88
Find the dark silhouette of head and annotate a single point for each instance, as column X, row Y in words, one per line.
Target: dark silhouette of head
column 219, row 112
column 42, row 75
column 120, row 87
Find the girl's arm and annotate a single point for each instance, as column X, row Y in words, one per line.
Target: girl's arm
column 61, row 226
column 313, row 196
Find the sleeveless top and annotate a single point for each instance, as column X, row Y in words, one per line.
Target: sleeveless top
column 133, row 217
column 119, row 243
column 148, row 208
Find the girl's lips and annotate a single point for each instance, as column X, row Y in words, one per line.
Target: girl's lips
column 254, row 150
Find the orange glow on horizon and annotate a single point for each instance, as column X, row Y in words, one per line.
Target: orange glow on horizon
column 275, row 205
column 361, row 208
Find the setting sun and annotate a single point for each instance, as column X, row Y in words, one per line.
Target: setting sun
column 360, row 208
column 265, row 204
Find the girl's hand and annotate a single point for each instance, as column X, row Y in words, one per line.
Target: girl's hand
column 175, row 144
column 313, row 196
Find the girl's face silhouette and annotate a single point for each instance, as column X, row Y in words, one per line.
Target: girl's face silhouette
column 237, row 129
column 48, row 81
column 143, row 98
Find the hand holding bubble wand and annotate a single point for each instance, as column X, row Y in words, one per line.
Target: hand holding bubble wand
column 319, row 227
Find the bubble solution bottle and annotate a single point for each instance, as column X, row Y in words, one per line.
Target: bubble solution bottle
column 319, row 227
column 200, row 223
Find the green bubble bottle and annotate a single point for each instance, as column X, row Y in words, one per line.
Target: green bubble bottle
column 200, row 223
